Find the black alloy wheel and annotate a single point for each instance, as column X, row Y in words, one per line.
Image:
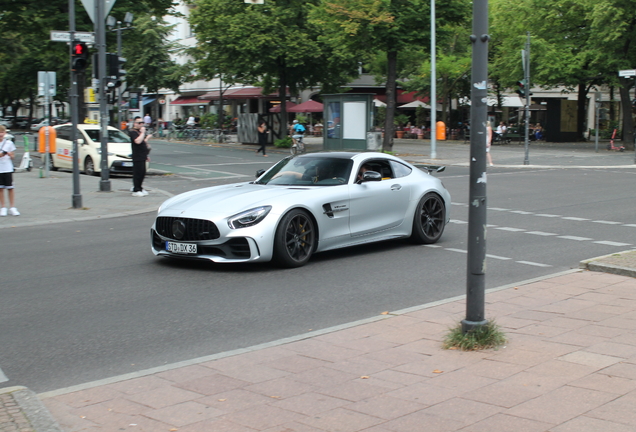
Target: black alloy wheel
column 429, row 219
column 295, row 239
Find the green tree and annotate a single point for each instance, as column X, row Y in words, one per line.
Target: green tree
column 272, row 45
column 148, row 54
column 390, row 26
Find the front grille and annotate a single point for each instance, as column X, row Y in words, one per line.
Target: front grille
column 195, row 229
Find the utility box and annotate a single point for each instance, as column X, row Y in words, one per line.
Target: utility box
column 374, row 141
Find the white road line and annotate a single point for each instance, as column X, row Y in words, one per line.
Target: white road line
column 611, row 243
column 460, row 204
column 520, row 212
column 491, row 226
column 3, row 377
column 433, row 246
column 574, row 218
column 575, row 238
column 498, row 209
column 607, row 222
column 510, row 229
column 630, row 225
column 497, row 257
column 458, row 221
column 457, row 250
column 540, row 233
column 533, row 264
column 548, row 215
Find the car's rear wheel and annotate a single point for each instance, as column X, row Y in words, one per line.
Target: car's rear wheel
column 295, row 239
column 429, row 219
column 89, row 166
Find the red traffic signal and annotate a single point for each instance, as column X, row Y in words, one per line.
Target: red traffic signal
column 79, row 60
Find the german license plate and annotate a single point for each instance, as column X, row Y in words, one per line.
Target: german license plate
column 127, row 164
column 181, row 248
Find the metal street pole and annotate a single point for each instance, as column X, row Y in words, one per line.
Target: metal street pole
column 526, row 67
column 433, row 86
column 100, row 38
column 476, row 262
column 597, row 98
column 74, row 97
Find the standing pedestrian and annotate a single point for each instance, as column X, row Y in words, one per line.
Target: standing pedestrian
column 148, row 120
column 262, row 137
column 7, row 153
column 140, row 149
column 488, row 143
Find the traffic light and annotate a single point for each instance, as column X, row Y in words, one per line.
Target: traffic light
column 79, row 57
column 115, row 66
column 523, row 90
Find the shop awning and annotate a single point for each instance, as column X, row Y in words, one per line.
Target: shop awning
column 239, row 93
column 188, row 101
column 147, row 99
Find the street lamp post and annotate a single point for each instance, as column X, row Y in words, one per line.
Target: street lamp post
column 111, row 22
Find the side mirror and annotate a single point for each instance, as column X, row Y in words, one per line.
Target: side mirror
column 260, row 172
column 370, row 176
column 80, row 141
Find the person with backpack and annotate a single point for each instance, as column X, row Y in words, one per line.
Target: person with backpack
column 296, row 131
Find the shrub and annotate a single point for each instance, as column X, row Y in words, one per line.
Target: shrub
column 283, row 142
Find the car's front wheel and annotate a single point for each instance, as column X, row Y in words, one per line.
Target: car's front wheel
column 429, row 219
column 89, row 166
column 295, row 239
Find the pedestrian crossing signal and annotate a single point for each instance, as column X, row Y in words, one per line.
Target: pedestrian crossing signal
column 79, row 58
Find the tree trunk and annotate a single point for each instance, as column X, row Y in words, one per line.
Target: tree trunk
column 626, row 109
column 389, row 127
column 581, row 112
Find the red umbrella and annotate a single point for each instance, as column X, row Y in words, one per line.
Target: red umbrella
column 307, row 107
column 290, row 106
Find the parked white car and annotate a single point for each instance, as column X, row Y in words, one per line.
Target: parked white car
column 89, row 149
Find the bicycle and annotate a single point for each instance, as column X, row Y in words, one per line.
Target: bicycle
column 299, row 146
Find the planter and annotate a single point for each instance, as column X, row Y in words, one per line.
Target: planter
column 399, row 134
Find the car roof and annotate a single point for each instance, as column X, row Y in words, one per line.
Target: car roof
column 86, row 126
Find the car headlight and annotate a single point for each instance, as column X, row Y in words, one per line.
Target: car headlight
column 99, row 151
column 248, row 218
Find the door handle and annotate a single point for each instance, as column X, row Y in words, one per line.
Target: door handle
column 396, row 187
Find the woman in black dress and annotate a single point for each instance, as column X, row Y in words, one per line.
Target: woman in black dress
column 262, row 137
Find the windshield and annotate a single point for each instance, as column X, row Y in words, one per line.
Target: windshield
column 114, row 136
column 308, row 171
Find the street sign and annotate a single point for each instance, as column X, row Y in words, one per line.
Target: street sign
column 64, row 36
column 89, row 6
column 46, row 84
column 627, row 73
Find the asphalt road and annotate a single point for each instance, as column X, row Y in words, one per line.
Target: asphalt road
column 88, row 300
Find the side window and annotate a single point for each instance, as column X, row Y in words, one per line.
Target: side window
column 381, row 167
column 64, row 133
column 400, row 170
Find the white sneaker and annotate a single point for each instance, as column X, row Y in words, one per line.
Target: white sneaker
column 138, row 194
column 145, row 192
column 3, row 211
column 14, row 211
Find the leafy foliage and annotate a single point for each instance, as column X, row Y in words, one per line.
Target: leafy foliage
column 479, row 338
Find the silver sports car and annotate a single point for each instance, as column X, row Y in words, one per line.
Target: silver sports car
column 302, row 205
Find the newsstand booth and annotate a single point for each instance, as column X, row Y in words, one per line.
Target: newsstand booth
column 348, row 122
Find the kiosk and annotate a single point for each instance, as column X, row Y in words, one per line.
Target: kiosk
column 348, row 118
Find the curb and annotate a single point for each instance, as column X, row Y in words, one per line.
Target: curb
column 31, row 408
column 596, row 264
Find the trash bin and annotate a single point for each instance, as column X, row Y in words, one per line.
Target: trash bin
column 374, row 140
column 440, row 132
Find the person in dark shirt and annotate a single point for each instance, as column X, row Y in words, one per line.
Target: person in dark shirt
column 140, row 149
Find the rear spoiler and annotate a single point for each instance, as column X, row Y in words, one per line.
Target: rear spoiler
column 430, row 168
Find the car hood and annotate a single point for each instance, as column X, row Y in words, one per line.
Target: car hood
column 227, row 200
column 121, row 149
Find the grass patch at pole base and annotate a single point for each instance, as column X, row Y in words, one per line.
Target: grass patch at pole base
column 482, row 337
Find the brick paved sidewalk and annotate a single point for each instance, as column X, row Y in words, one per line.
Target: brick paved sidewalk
column 22, row 411
column 569, row 365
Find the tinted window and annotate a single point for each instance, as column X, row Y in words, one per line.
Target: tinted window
column 64, row 133
column 114, row 136
column 400, row 170
column 309, row 171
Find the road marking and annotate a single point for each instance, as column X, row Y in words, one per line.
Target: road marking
column 498, row 209
column 458, row 221
column 534, row 264
column 574, row 218
column 630, row 225
column 575, row 238
column 611, row 243
column 3, row 377
column 548, row 215
column 433, row 246
column 607, row 222
column 510, row 229
column 497, row 257
column 540, row 233
column 457, row 250
column 520, row 212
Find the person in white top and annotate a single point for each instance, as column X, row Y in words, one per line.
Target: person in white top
column 191, row 121
column 7, row 153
